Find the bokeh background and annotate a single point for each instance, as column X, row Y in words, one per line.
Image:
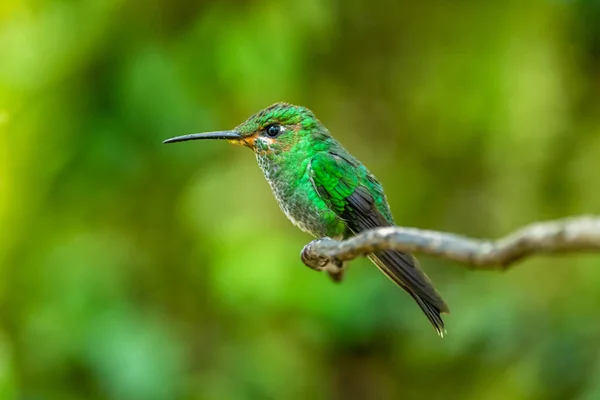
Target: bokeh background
column 133, row 270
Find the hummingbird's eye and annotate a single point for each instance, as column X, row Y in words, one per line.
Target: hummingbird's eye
column 273, row 130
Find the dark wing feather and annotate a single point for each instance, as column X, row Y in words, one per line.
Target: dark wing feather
column 336, row 180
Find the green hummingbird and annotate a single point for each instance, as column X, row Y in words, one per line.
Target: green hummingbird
column 325, row 191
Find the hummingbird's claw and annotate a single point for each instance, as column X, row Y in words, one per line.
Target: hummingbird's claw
column 312, row 261
column 334, row 267
column 336, row 270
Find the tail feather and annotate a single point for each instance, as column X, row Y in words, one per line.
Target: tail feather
column 432, row 313
column 404, row 270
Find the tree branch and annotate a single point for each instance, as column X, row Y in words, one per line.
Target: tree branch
column 569, row 235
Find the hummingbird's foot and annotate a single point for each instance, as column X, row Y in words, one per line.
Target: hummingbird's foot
column 336, row 270
column 334, row 267
column 312, row 261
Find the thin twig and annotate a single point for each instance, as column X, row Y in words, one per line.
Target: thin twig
column 569, row 235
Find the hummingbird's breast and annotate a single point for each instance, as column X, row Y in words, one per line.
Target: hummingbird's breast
column 297, row 197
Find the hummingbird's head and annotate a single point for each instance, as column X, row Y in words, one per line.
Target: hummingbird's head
column 278, row 128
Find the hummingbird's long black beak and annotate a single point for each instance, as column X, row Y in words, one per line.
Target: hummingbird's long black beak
column 228, row 135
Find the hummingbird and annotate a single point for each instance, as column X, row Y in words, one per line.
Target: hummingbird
column 326, row 192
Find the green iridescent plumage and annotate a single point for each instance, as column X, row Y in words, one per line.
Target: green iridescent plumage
column 325, row 191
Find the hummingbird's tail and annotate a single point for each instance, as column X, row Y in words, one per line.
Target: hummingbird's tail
column 404, row 270
column 432, row 313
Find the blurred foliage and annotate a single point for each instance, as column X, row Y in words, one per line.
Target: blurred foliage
column 133, row 270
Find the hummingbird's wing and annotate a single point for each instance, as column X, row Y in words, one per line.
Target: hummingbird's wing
column 356, row 197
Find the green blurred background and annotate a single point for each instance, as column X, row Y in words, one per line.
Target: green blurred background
column 133, row 270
